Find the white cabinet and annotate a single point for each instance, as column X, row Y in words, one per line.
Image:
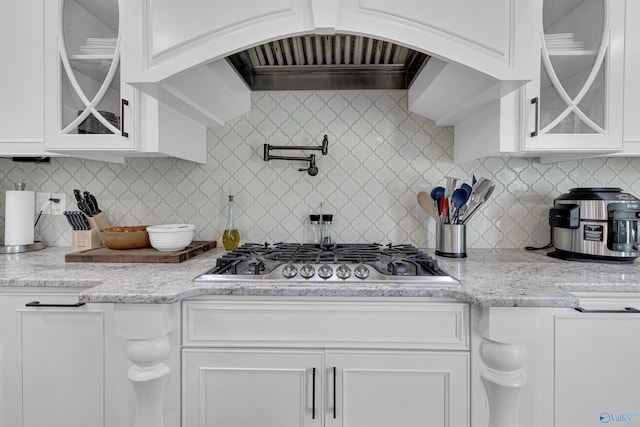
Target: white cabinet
column 330, row 362
column 596, row 363
column 303, row 387
column 244, row 387
column 90, row 110
column 60, row 365
column 574, row 105
column 396, row 388
column 21, row 78
column 631, row 81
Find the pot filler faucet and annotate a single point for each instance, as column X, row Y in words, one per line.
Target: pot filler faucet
column 312, row 169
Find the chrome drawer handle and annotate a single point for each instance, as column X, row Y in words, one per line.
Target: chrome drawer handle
column 37, row 304
column 535, row 130
column 625, row 310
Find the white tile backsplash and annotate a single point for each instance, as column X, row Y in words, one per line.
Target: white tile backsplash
column 380, row 156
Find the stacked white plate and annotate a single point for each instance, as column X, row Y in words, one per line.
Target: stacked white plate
column 99, row 46
column 562, row 41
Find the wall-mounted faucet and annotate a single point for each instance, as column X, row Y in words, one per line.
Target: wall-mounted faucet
column 312, row 169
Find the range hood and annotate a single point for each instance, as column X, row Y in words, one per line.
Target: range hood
column 328, row 62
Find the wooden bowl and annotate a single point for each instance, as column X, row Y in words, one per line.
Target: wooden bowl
column 125, row 237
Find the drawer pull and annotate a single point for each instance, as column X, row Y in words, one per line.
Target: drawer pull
column 537, row 110
column 334, row 392
column 37, row 304
column 123, row 102
column 313, row 395
column 625, row 310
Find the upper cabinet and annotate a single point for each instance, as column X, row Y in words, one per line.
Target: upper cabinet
column 631, row 80
column 574, row 106
column 21, row 78
column 90, row 111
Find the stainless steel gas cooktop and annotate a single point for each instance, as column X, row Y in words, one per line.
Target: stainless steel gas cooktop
column 335, row 263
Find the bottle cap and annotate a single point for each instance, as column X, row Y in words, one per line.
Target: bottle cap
column 230, row 198
column 314, row 218
column 327, row 218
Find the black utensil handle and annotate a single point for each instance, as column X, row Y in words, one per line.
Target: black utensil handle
column 95, row 203
column 335, row 379
column 537, row 104
column 313, row 395
column 625, row 310
column 76, row 193
column 37, row 304
column 122, row 104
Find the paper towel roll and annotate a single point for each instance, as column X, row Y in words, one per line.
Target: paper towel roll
column 19, row 217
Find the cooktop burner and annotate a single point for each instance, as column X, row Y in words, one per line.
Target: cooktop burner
column 339, row 263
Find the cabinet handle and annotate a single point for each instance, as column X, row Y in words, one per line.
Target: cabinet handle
column 335, row 378
column 626, row 310
column 313, row 395
column 37, row 304
column 535, row 129
column 123, row 102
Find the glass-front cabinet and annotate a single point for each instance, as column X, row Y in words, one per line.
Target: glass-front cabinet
column 88, row 109
column 576, row 104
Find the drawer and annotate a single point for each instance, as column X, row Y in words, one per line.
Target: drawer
column 280, row 322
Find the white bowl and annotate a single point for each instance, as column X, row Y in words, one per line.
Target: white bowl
column 170, row 237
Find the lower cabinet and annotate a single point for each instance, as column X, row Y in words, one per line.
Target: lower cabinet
column 59, row 366
column 236, row 375
column 596, row 363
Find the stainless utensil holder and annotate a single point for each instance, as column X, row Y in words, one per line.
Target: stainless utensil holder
column 451, row 240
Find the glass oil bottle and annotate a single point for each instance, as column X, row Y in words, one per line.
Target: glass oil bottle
column 230, row 237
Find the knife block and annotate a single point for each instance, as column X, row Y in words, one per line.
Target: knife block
column 99, row 222
column 81, row 240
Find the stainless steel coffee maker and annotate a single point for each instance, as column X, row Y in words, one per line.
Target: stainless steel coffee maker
column 595, row 224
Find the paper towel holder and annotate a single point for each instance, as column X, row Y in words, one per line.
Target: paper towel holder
column 16, row 249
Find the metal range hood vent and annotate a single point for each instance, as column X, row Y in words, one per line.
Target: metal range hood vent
column 336, row 62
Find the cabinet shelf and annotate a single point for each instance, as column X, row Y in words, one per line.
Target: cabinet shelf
column 94, row 67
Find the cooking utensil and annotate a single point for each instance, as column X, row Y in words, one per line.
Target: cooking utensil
column 481, row 197
column 458, row 198
column 444, row 210
column 427, row 204
column 451, row 185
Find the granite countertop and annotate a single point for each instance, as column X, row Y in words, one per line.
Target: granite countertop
column 488, row 277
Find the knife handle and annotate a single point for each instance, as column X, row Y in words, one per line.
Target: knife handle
column 95, row 203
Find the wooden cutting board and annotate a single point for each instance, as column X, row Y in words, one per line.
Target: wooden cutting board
column 140, row 255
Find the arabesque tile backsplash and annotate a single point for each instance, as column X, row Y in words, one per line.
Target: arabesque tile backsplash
column 380, row 156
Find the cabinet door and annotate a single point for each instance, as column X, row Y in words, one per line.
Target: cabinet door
column 395, row 388
column 241, row 388
column 87, row 107
column 576, row 104
column 53, row 371
column 21, row 77
column 596, row 369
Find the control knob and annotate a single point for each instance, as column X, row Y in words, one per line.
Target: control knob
column 325, row 271
column 307, row 271
column 343, row 272
column 361, row 271
column 289, row 271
